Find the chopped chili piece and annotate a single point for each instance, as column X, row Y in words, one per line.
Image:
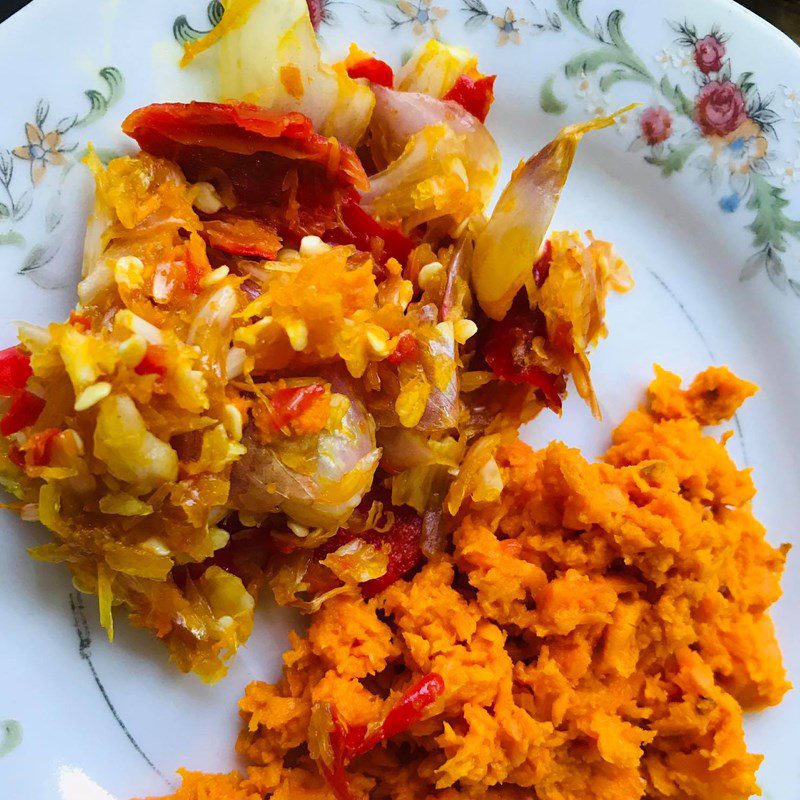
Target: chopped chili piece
column 39, row 445
column 154, row 361
column 80, row 321
column 402, row 539
column 348, row 742
column 292, row 402
column 335, row 775
column 407, row 711
column 476, row 96
column 361, row 230
column 16, row 456
column 193, row 276
column 541, row 269
column 15, row 369
column 241, row 236
column 374, row 70
column 23, row 411
column 508, row 350
column 406, row 350
column 196, row 263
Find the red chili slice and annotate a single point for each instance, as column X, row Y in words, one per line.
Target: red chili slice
column 83, row 322
column 348, row 742
column 292, row 402
column 360, row 229
column 335, row 774
column 406, row 350
column 39, row 446
column 541, row 269
column 15, row 369
column 374, row 70
column 154, row 361
column 23, row 411
column 402, row 539
column 508, row 350
column 175, row 130
column 241, row 236
column 476, row 96
column 406, row 712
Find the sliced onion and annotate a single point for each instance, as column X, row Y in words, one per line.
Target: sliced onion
column 508, row 246
column 439, row 161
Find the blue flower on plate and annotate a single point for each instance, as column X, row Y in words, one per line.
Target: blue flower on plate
column 730, row 202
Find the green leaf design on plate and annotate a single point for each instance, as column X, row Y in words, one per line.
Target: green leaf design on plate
column 182, row 30
column 548, row 101
column 100, row 102
column 677, row 97
column 614, row 50
column 11, row 736
column 571, row 9
column 770, row 226
column 675, row 160
column 12, row 237
column 610, row 78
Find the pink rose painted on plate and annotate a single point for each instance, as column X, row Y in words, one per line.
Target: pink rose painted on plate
column 709, row 53
column 655, row 124
column 720, row 108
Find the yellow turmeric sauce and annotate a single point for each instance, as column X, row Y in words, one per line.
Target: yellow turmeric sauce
column 600, row 628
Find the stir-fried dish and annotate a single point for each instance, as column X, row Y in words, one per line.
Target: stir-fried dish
column 296, row 327
column 304, row 343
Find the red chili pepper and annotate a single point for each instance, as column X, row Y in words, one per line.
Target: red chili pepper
column 374, row 70
column 541, row 269
column 16, row 456
column 402, row 539
column 241, row 236
column 360, row 229
column 336, row 775
column 508, row 350
column 407, row 711
column 198, row 132
column 279, row 169
column 406, row 350
column 154, row 361
column 81, row 321
column 39, row 446
column 292, row 402
column 23, row 411
column 348, row 742
column 476, row 96
column 15, row 369
column 193, row 276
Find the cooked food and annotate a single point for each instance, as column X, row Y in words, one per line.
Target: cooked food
column 303, row 348
column 595, row 631
column 297, row 331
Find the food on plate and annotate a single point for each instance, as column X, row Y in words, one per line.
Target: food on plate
column 298, row 341
column 596, row 630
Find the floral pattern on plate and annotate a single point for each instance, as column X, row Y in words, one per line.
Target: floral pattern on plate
column 48, row 146
column 704, row 119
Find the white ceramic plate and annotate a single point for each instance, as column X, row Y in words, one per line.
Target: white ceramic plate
column 699, row 189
